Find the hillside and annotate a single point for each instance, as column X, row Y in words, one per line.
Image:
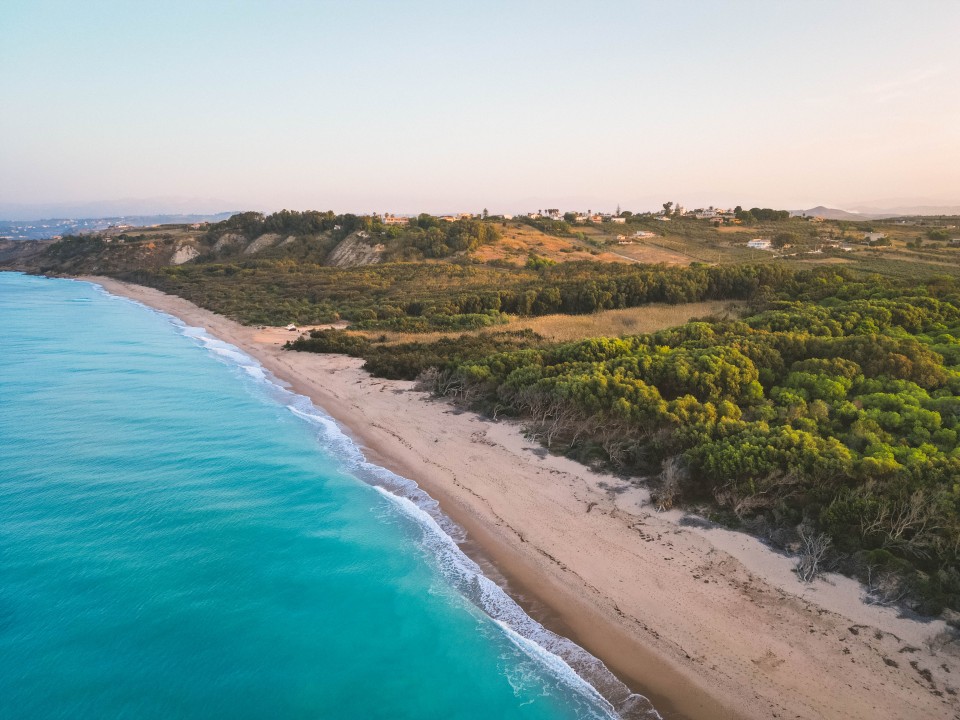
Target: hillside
column 20, row 254
column 836, row 214
column 290, row 244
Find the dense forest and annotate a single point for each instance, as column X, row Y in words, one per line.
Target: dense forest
column 834, row 409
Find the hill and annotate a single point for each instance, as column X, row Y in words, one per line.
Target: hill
column 860, row 214
column 835, row 214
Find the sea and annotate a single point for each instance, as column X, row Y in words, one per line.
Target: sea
column 181, row 536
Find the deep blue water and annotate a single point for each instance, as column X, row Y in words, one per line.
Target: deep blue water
column 180, row 537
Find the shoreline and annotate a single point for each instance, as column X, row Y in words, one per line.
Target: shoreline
column 704, row 622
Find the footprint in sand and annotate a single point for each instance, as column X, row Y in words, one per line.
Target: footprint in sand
column 768, row 661
column 645, row 536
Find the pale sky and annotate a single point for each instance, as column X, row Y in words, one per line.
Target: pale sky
column 445, row 106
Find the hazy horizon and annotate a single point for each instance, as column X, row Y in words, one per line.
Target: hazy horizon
column 182, row 207
column 368, row 106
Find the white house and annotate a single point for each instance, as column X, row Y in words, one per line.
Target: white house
column 618, row 220
column 759, row 244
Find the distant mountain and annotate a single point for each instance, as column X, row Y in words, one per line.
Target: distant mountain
column 836, row 214
column 859, row 212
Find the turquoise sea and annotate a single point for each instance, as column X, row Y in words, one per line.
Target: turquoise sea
column 181, row 537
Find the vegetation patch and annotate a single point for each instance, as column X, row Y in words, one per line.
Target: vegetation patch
column 827, row 419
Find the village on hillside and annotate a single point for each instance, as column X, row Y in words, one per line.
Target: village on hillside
column 823, row 234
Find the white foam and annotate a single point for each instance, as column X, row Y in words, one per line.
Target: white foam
column 556, row 654
column 575, row 668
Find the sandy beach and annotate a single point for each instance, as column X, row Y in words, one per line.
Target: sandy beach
column 707, row 623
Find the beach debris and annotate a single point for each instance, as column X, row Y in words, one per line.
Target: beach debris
column 813, row 548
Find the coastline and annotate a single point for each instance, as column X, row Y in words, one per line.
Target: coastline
column 704, row 622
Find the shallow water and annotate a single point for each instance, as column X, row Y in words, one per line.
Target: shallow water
column 181, row 537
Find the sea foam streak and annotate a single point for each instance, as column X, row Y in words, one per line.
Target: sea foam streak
column 569, row 663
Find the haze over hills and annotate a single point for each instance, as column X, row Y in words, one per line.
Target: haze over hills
column 899, row 210
column 174, row 209
column 123, row 207
column 47, row 228
column 837, row 214
column 875, row 213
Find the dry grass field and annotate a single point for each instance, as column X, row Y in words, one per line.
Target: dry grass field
column 629, row 321
column 518, row 241
column 609, row 323
column 598, row 243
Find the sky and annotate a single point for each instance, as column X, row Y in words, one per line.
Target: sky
column 403, row 107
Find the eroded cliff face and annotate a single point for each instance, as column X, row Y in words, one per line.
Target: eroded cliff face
column 184, row 253
column 356, row 249
column 107, row 254
column 137, row 249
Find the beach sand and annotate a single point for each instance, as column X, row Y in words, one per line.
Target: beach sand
column 707, row 623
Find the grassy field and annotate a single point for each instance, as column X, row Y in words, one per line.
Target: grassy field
column 519, row 240
column 564, row 328
column 629, row 321
column 679, row 243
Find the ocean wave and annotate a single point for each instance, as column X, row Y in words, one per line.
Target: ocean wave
column 580, row 671
column 571, row 665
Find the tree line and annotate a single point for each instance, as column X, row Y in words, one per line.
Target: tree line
column 424, row 236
